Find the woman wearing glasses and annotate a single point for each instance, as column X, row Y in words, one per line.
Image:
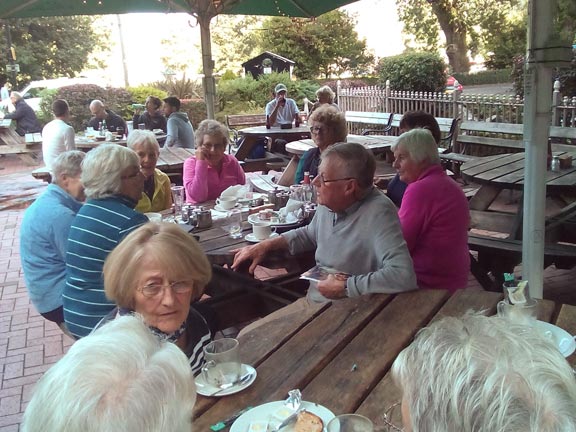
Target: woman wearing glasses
column 211, row 171
column 158, row 271
column 328, row 126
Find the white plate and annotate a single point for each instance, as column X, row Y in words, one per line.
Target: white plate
column 253, row 218
column 561, row 338
column 158, row 131
column 250, row 237
column 205, row 389
column 255, row 195
column 218, row 207
column 264, row 413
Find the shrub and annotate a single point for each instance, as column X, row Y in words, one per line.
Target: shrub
column 484, row 77
column 182, row 88
column 140, row 93
column 196, row 110
column 566, row 76
column 420, row 71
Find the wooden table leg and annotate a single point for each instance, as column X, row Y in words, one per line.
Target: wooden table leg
column 484, row 197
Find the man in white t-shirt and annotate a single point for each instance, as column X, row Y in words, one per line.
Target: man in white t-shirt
column 57, row 136
column 281, row 109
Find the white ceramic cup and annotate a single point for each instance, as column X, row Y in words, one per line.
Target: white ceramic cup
column 154, row 217
column 227, row 203
column 262, row 230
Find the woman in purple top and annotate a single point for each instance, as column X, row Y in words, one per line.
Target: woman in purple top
column 211, row 171
column 434, row 214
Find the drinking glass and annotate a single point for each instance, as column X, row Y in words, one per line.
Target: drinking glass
column 234, row 224
column 177, row 197
column 222, row 367
column 350, row 423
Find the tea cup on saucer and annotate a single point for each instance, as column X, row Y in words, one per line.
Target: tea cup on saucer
column 226, row 202
column 262, row 230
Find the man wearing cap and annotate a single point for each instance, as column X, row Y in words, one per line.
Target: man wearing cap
column 281, row 109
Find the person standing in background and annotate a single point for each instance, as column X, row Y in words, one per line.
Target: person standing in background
column 57, row 135
column 179, row 129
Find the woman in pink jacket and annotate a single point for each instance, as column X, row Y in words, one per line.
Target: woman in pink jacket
column 434, row 214
column 211, row 171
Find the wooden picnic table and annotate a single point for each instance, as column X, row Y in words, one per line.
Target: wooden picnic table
column 506, row 171
column 339, row 354
column 253, row 134
column 375, row 143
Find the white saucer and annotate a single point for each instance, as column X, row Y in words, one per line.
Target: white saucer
column 250, row 237
column 561, row 338
column 205, row 389
column 255, row 195
column 218, row 207
column 275, row 411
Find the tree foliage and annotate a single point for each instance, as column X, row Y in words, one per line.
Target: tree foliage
column 463, row 24
column 328, row 46
column 421, row 71
column 51, row 47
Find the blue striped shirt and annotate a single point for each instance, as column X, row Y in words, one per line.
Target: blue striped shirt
column 98, row 227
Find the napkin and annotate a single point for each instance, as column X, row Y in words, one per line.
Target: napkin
column 290, row 212
column 238, row 191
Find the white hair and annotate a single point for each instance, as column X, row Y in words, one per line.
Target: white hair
column 102, row 169
column 119, row 378
column 145, row 137
column 485, row 374
column 67, row 163
column 420, row 145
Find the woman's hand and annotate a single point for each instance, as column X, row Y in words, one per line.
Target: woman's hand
column 200, row 155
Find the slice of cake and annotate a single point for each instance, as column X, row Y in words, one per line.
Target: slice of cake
column 308, row 422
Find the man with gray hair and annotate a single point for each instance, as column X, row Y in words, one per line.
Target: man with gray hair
column 26, row 120
column 355, row 231
column 57, row 135
column 44, row 234
column 122, row 377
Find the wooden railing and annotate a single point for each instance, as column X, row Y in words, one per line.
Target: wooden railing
column 489, row 108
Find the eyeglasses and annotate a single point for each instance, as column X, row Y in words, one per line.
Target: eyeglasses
column 154, row 289
column 392, row 418
column 318, row 129
column 323, row 181
column 214, row 147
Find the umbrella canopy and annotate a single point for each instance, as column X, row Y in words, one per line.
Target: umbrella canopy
column 202, row 10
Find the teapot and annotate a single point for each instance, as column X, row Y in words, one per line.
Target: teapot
column 203, row 217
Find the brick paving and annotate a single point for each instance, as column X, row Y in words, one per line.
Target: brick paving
column 29, row 344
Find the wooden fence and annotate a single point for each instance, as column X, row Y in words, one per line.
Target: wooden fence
column 490, row 108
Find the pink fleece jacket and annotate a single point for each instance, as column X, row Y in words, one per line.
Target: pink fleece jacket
column 204, row 183
column 434, row 216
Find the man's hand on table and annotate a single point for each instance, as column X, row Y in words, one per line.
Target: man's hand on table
column 333, row 287
column 257, row 252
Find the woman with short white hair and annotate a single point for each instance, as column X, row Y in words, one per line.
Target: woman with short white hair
column 122, row 377
column 434, row 214
column 157, row 195
column 484, row 374
column 113, row 185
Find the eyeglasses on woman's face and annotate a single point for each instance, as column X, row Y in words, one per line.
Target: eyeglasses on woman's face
column 153, row 290
column 318, row 129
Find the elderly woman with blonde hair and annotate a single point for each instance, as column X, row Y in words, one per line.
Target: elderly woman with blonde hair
column 158, row 272
column 324, row 96
column 327, row 127
column 157, row 195
column 211, row 170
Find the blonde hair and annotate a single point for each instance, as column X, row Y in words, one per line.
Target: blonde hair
column 172, row 248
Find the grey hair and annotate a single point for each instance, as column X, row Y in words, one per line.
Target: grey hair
column 145, row 137
column 326, row 90
column 67, row 163
column 488, row 374
column 16, row 95
column 355, row 161
column 102, row 169
column 212, row 128
column 420, row 145
column 120, row 377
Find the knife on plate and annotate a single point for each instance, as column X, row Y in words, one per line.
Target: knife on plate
column 225, row 423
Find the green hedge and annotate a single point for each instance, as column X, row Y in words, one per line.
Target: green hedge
column 484, row 77
column 419, row 71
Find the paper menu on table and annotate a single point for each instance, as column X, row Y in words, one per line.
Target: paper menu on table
column 319, row 273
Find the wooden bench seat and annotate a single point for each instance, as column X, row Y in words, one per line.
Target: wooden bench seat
column 498, row 256
column 380, row 123
column 239, row 121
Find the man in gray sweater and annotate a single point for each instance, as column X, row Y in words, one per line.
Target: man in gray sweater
column 179, row 128
column 355, row 231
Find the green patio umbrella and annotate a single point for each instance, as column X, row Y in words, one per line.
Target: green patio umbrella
column 202, row 10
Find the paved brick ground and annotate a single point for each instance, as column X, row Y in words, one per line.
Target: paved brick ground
column 29, row 344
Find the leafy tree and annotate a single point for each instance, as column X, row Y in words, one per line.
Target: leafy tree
column 462, row 22
column 328, row 46
column 234, row 41
column 52, row 47
column 503, row 46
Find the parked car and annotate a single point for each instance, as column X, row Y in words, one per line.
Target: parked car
column 452, row 84
column 31, row 93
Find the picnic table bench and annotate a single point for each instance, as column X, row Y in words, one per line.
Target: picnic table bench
column 13, row 144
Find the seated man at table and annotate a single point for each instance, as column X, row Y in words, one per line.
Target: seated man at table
column 487, row 374
column 354, row 231
column 123, row 377
column 26, row 120
column 57, row 136
column 44, row 234
column 281, row 110
column 100, row 113
column 179, row 129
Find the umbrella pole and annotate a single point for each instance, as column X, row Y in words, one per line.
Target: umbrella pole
column 207, row 64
